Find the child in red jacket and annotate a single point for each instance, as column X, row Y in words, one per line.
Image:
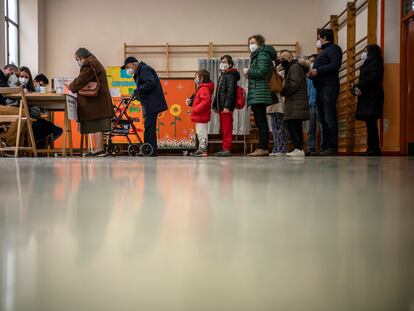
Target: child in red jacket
column 201, row 112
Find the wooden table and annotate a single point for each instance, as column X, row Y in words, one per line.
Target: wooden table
column 53, row 102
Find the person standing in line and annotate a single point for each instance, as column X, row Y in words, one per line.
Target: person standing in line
column 259, row 96
column 325, row 76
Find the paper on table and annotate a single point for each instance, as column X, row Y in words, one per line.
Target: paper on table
column 72, row 106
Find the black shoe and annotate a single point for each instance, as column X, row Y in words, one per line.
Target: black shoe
column 223, row 154
column 57, row 132
column 198, row 153
column 331, row 152
column 311, row 154
column 371, row 153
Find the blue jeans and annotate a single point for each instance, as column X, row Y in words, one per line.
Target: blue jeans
column 312, row 123
column 326, row 98
column 280, row 134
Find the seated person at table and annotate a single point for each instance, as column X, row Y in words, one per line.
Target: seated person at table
column 41, row 127
column 8, row 78
column 39, row 81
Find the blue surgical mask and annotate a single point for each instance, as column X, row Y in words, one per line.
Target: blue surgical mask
column 37, row 88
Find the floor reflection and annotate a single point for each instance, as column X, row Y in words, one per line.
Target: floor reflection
column 204, row 234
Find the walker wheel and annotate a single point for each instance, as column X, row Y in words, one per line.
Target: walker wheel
column 117, row 150
column 114, row 150
column 134, row 150
column 146, row 150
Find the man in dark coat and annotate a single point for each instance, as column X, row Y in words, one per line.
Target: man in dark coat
column 149, row 92
column 8, row 138
column 5, row 74
column 325, row 75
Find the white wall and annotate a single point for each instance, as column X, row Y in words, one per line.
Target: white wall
column 29, row 38
column 391, row 24
column 103, row 26
column 41, row 35
column 54, row 29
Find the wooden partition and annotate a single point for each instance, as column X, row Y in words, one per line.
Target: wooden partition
column 167, row 54
column 352, row 133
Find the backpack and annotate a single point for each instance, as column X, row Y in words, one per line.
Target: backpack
column 276, row 82
column 240, row 97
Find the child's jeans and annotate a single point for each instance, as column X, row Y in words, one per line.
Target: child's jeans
column 202, row 135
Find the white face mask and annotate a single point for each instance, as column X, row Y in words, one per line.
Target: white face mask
column 364, row 56
column 311, row 66
column 253, row 47
column 319, row 44
column 12, row 80
column 79, row 63
column 23, row 81
column 224, row 66
column 130, row 71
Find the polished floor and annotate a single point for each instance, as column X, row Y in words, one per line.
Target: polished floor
column 177, row 233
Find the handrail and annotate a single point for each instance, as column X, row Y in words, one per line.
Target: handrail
column 361, row 6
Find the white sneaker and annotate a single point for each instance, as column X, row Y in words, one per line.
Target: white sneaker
column 296, row 153
column 277, row 154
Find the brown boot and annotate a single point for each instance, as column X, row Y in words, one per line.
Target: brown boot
column 259, row 153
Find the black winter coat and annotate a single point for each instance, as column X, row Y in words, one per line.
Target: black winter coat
column 226, row 90
column 328, row 63
column 296, row 93
column 371, row 102
column 3, row 83
column 149, row 90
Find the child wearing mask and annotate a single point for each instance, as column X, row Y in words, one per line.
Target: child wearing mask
column 41, row 127
column 313, row 113
column 201, row 110
column 225, row 102
column 40, row 81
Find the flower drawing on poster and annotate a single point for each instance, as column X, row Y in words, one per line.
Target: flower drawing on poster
column 175, row 110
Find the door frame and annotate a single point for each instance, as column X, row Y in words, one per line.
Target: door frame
column 403, row 77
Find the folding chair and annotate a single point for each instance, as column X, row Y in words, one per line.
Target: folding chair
column 18, row 93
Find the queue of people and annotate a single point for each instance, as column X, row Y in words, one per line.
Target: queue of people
column 310, row 93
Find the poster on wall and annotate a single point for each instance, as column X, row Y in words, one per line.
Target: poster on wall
column 174, row 127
